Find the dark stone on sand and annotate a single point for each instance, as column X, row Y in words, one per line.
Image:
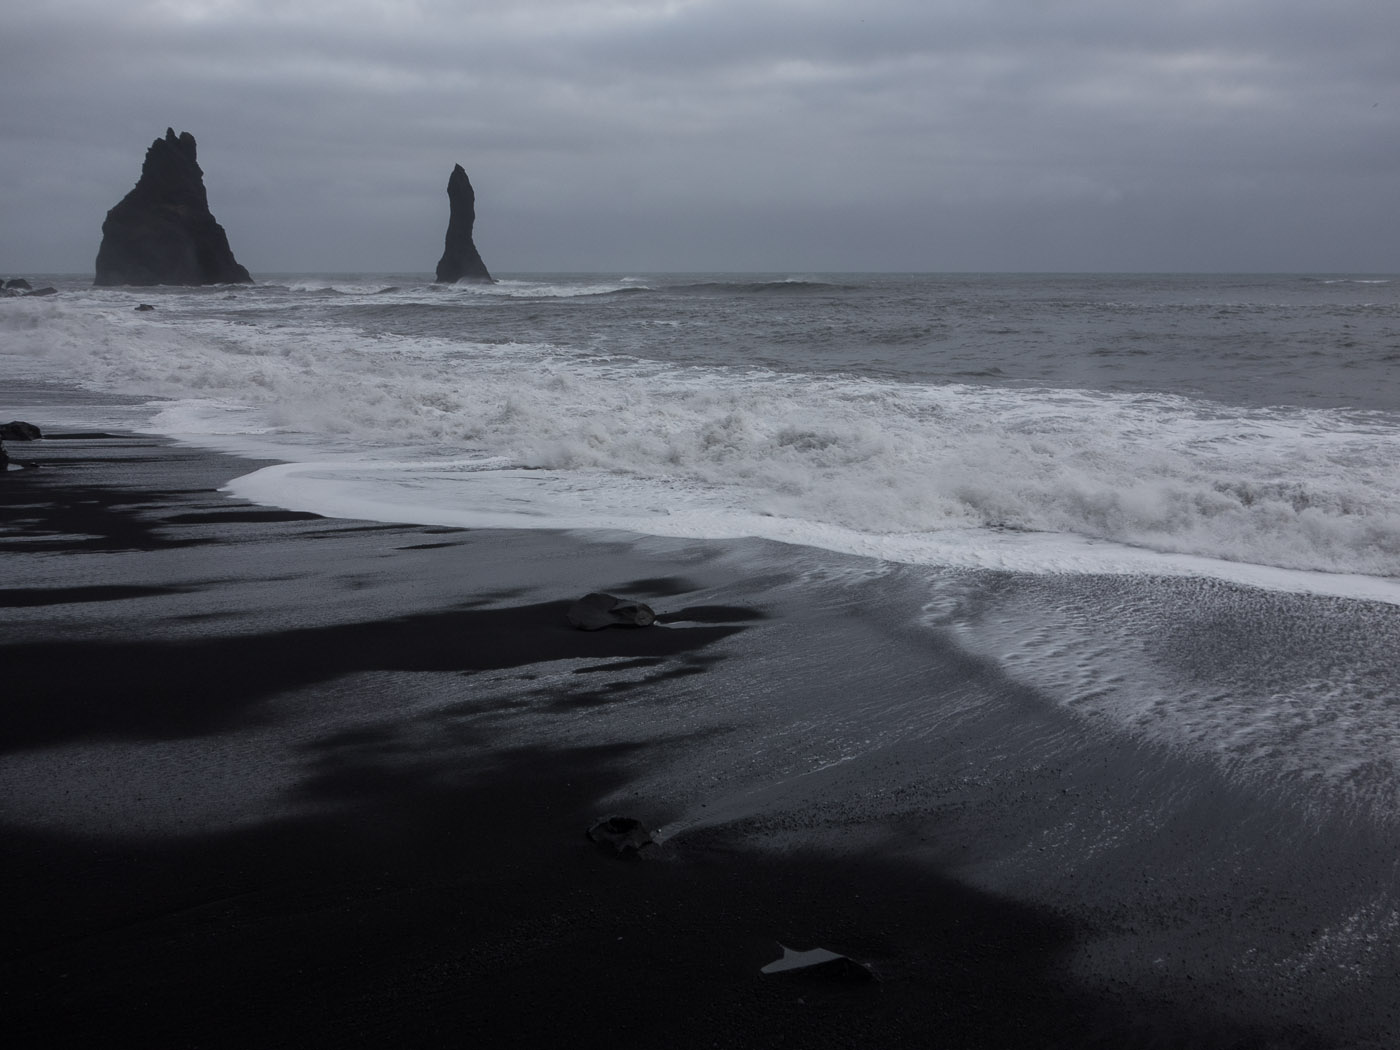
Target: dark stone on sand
column 19, row 283
column 144, row 307
column 5, row 461
column 819, row 964
column 595, row 611
column 18, row 430
column 843, row 970
column 460, row 260
column 162, row 232
column 623, row 834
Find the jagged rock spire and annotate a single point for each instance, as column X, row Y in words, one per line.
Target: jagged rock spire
column 162, row 231
column 460, row 260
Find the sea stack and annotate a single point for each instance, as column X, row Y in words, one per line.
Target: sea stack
column 460, row 260
column 162, row 231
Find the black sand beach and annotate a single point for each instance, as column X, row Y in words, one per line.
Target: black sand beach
column 277, row 780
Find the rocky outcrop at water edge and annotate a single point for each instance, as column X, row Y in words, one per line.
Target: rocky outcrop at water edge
column 19, row 430
column 18, row 286
column 460, row 260
column 162, row 232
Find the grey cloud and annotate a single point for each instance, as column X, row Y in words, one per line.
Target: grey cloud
column 1008, row 135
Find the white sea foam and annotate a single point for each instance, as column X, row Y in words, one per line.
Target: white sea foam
column 1274, row 687
column 558, row 289
column 491, row 494
column 418, row 286
column 342, row 285
column 455, row 432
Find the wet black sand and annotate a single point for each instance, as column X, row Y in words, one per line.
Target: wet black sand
column 312, row 837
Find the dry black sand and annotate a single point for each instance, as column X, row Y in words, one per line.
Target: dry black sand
column 309, row 839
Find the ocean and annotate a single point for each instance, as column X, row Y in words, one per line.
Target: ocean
column 1243, row 428
column 1064, row 518
column 1076, row 428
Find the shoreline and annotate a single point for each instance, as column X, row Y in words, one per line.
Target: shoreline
column 275, row 779
column 373, row 900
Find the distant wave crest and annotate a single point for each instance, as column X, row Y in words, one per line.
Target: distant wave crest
column 782, row 287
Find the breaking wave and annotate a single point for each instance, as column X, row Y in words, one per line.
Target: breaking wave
column 571, row 437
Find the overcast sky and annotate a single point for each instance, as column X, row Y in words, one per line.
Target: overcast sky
column 776, row 135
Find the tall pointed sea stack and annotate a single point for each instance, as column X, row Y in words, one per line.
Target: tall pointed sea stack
column 460, row 260
column 162, row 232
